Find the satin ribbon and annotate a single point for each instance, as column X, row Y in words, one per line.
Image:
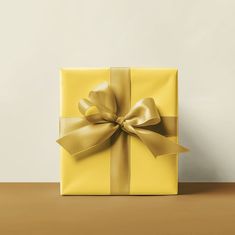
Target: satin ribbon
column 101, row 120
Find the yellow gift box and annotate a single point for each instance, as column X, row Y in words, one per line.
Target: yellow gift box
column 147, row 175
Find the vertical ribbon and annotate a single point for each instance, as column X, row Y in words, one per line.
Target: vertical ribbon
column 120, row 83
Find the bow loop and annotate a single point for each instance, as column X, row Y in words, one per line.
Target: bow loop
column 103, row 97
column 101, row 105
column 90, row 111
column 143, row 113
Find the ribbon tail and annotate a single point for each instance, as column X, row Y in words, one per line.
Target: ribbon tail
column 70, row 124
column 158, row 144
column 87, row 137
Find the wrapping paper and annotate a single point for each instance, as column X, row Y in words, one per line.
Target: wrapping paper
column 149, row 175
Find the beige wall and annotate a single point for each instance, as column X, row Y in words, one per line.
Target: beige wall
column 39, row 37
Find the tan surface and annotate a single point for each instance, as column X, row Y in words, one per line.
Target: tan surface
column 37, row 208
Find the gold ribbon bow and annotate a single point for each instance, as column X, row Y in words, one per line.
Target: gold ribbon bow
column 101, row 122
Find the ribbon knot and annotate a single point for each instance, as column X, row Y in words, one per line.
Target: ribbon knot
column 120, row 121
column 100, row 122
column 123, row 125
